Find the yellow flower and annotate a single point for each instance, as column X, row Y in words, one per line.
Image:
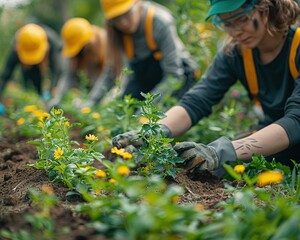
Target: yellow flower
column 97, row 191
column 86, row 110
column 144, row 120
column 21, row 121
column 58, row 153
column 100, row 129
column 87, row 168
column 126, row 155
column 121, row 152
column 38, row 114
column 112, row 180
column 30, row 108
column 239, row 168
column 40, row 123
column 91, row 137
column 45, row 114
column 57, row 112
column 147, row 168
column 47, row 189
column 115, row 150
column 95, row 115
column 269, row 177
column 199, row 207
column 201, row 28
column 175, row 199
column 123, row 170
column 67, row 124
column 100, row 174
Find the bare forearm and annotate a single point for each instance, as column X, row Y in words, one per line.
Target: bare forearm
column 270, row 140
column 177, row 120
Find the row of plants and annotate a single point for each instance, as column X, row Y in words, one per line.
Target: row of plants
column 128, row 197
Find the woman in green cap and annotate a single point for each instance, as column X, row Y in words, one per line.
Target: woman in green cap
column 262, row 53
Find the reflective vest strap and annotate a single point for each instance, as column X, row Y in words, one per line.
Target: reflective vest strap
column 295, row 44
column 149, row 34
column 250, row 72
column 128, row 46
column 149, row 29
column 128, row 41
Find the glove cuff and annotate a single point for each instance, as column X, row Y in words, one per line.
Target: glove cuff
column 225, row 152
column 168, row 133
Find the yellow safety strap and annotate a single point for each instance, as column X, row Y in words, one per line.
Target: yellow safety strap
column 128, row 41
column 250, row 70
column 295, row 44
column 128, row 46
column 149, row 33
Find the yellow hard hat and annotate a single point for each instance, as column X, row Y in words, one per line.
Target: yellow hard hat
column 115, row 8
column 76, row 33
column 31, row 44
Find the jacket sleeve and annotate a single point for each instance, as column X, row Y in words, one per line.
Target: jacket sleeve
column 291, row 119
column 211, row 88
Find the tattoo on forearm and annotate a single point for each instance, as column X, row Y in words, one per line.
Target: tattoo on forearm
column 245, row 146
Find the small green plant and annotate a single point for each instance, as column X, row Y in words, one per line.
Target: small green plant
column 135, row 207
column 258, row 210
column 156, row 155
column 59, row 157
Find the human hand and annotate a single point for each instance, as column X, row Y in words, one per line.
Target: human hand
column 198, row 157
column 2, row 109
column 128, row 140
column 132, row 139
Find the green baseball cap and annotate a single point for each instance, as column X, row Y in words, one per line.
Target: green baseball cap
column 223, row 6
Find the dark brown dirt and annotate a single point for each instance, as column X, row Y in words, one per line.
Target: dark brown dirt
column 16, row 178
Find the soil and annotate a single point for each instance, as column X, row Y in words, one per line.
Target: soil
column 16, row 178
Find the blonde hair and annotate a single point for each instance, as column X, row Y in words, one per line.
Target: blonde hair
column 281, row 15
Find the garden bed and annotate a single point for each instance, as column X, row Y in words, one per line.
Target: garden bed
column 16, row 178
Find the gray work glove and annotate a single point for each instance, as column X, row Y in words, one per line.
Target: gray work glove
column 132, row 140
column 200, row 158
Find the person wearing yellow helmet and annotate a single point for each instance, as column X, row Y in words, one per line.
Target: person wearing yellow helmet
column 36, row 49
column 262, row 52
column 142, row 35
column 84, row 46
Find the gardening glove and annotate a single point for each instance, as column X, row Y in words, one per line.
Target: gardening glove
column 132, row 140
column 2, row 109
column 200, row 158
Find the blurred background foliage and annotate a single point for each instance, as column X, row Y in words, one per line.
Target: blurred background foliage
column 189, row 13
column 200, row 37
